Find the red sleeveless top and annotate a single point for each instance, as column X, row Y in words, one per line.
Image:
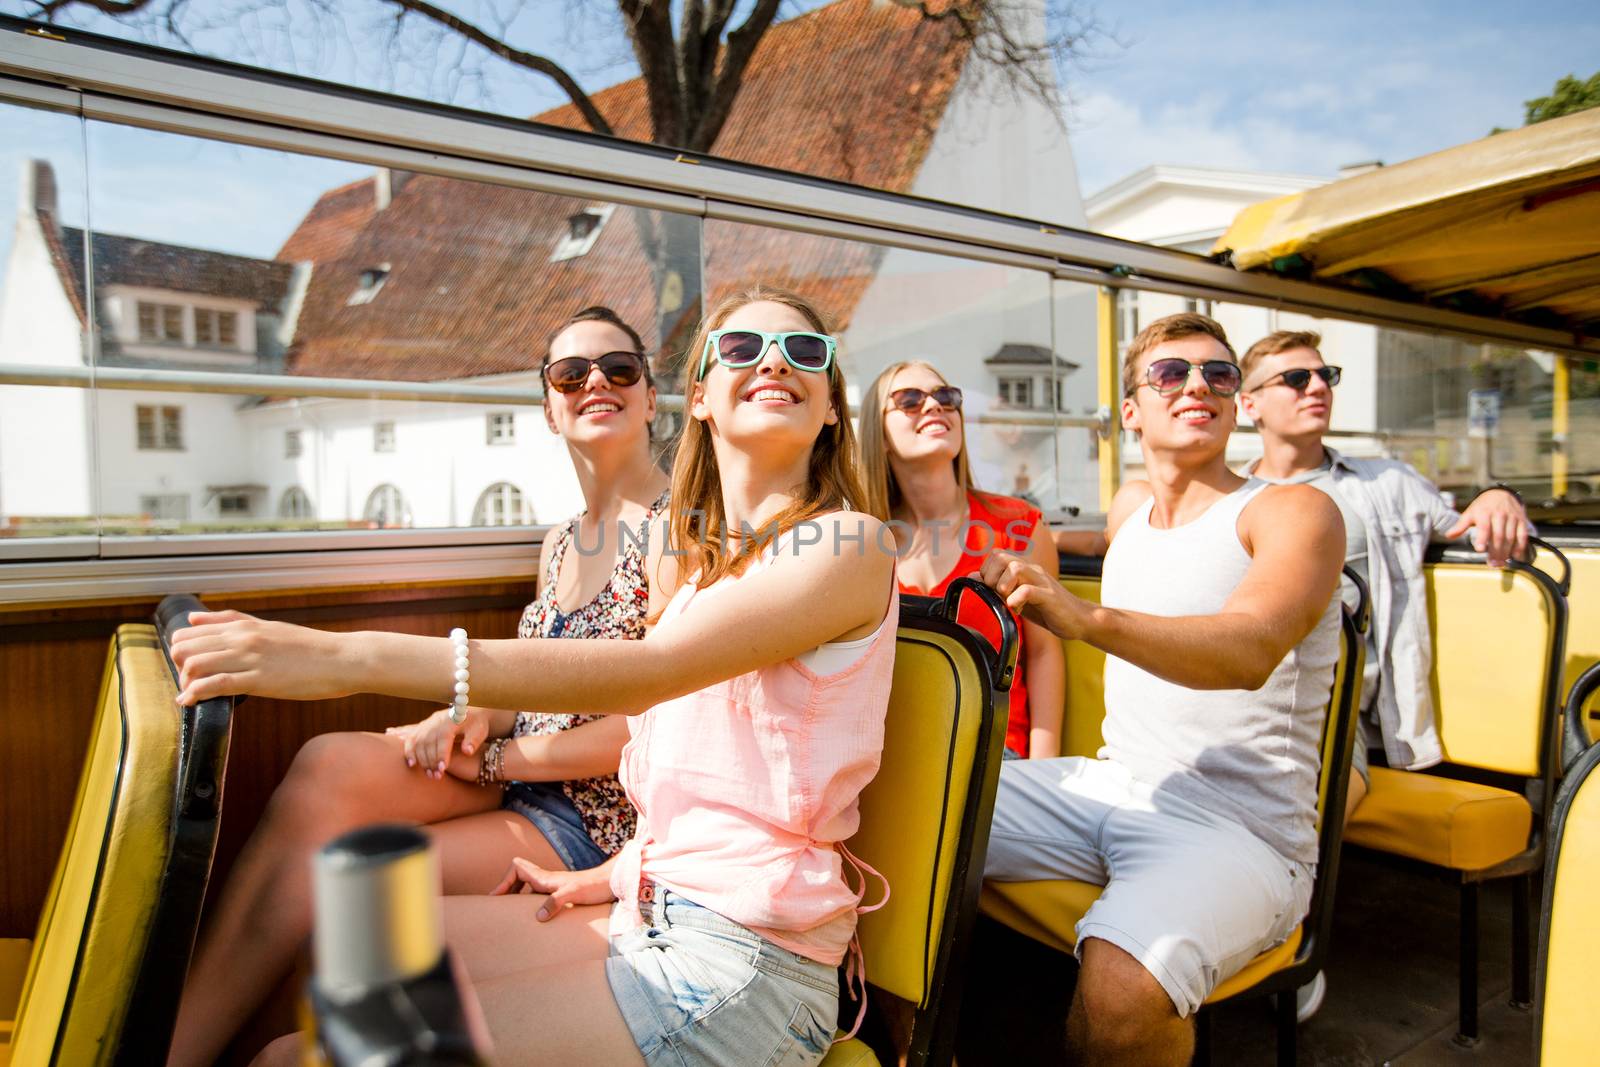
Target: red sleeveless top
column 993, row 522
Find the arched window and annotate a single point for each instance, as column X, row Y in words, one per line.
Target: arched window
column 501, row 505
column 387, row 507
column 295, row 504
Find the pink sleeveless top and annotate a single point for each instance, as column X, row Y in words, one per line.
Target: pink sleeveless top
column 747, row 790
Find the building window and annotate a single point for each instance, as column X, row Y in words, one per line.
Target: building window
column 160, row 428
column 386, row 507
column 502, row 427
column 216, row 328
column 1018, row 392
column 161, row 322
column 383, row 437
column 501, row 505
column 233, row 505
column 1127, row 316
column 165, row 507
column 583, row 229
column 369, row 285
column 293, row 447
column 295, row 504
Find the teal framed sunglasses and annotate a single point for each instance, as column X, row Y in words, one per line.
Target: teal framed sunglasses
column 744, row 348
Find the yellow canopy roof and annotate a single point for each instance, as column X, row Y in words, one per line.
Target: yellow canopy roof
column 1508, row 225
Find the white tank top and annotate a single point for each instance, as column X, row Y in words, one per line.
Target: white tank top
column 1252, row 756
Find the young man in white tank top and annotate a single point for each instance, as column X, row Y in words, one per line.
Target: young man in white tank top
column 1220, row 623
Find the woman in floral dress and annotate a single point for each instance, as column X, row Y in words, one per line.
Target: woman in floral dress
column 562, row 805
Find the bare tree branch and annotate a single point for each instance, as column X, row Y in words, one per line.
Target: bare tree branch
column 741, row 46
column 543, row 65
column 47, row 9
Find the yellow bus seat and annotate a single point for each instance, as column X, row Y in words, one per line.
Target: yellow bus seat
column 1461, row 825
column 925, row 826
column 1498, row 639
column 1048, row 911
column 14, row 953
column 1567, row 1028
column 1086, row 683
column 1583, row 626
column 80, row 979
column 103, row 974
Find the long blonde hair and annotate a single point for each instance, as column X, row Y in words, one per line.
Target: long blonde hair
column 698, row 525
column 883, row 492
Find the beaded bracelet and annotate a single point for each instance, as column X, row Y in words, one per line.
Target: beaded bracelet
column 458, row 710
column 492, row 764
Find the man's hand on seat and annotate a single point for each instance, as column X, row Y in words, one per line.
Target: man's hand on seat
column 1034, row 594
column 1499, row 526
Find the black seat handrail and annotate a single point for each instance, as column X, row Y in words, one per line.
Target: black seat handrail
column 1577, row 732
column 1006, row 662
column 203, row 759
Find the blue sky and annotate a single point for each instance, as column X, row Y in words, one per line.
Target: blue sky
column 1291, row 87
column 1304, row 88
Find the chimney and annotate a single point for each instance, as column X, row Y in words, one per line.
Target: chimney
column 37, row 188
column 1351, row 170
column 386, row 185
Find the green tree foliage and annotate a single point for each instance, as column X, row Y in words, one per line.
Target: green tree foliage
column 1568, row 96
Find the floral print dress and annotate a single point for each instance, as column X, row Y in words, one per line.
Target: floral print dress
column 617, row 612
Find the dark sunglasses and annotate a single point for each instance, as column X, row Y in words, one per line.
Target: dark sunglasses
column 569, row 375
column 911, row 400
column 1300, row 377
column 1168, row 376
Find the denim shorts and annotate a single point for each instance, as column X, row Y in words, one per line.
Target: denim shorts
column 547, row 806
column 698, row 989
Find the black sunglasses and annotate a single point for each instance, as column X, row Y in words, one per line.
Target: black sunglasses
column 1300, row 377
column 568, row 375
column 910, row 400
column 1169, row 376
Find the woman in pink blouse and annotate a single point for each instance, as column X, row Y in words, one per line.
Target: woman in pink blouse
column 758, row 701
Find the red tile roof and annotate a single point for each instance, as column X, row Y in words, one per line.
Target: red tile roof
column 852, row 91
column 334, row 220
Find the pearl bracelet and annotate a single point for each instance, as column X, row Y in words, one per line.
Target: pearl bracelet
column 458, row 641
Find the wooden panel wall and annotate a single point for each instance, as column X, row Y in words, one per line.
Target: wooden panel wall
column 50, row 665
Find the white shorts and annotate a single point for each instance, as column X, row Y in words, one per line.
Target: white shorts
column 1191, row 895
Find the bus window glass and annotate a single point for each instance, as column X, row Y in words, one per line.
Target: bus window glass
column 945, row 119
column 1466, row 413
column 987, row 328
column 220, row 258
column 46, row 455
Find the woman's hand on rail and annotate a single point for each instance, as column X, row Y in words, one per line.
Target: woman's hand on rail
column 224, row 653
column 430, row 744
column 565, row 888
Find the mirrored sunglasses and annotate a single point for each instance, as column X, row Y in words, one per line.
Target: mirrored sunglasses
column 1170, row 375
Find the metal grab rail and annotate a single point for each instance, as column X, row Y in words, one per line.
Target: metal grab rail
column 142, row 379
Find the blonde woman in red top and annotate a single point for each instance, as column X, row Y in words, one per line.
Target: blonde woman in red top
column 914, row 453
